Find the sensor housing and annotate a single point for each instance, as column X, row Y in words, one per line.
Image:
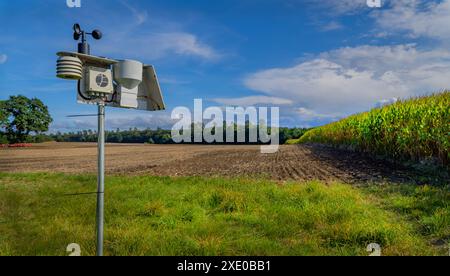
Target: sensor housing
column 98, row 81
column 128, row 76
column 69, row 67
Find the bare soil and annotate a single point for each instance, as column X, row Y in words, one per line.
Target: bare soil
column 296, row 162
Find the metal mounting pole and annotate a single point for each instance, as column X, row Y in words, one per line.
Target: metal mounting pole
column 84, row 48
column 101, row 177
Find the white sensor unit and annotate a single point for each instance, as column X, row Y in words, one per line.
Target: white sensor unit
column 128, row 76
column 98, row 81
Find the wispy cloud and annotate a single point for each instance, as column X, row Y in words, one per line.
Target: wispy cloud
column 419, row 18
column 172, row 80
column 155, row 39
column 307, row 115
column 337, row 7
column 185, row 44
column 160, row 45
column 253, row 100
column 140, row 16
column 332, row 26
column 3, row 58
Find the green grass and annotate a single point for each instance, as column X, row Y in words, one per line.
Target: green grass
column 428, row 206
column 415, row 130
column 214, row 216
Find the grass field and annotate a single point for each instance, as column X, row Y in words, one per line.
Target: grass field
column 148, row 215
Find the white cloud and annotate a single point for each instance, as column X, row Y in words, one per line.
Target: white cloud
column 350, row 80
column 386, row 58
column 140, row 121
column 332, row 26
column 3, row 58
column 253, row 100
column 306, row 115
column 172, row 80
column 184, row 44
column 386, row 102
column 417, row 18
column 340, row 7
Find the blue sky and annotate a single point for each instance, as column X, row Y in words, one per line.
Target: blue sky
column 317, row 60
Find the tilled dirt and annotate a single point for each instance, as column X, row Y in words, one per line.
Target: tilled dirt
column 303, row 162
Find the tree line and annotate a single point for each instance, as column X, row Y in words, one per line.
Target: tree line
column 24, row 120
column 158, row 136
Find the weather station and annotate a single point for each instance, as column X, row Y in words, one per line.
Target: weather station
column 108, row 82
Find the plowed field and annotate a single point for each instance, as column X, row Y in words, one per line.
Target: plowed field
column 304, row 162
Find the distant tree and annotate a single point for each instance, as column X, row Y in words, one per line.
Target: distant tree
column 3, row 120
column 3, row 115
column 22, row 116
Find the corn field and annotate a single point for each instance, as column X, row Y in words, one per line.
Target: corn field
column 416, row 129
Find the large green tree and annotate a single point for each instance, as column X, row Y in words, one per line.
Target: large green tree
column 20, row 116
